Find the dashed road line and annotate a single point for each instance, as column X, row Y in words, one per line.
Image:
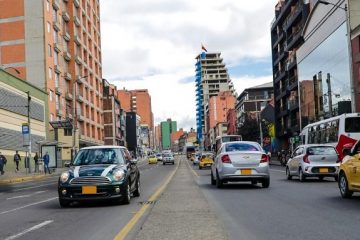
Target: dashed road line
column 28, row 205
column 40, row 225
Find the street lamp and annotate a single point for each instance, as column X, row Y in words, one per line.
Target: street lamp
column 345, row 8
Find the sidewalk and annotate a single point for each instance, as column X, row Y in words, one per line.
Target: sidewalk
column 182, row 212
column 22, row 176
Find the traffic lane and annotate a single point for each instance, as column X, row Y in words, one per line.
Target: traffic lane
column 83, row 221
column 288, row 209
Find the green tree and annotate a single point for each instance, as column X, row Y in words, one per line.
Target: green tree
column 250, row 130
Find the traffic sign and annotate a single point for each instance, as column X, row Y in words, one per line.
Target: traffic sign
column 25, row 129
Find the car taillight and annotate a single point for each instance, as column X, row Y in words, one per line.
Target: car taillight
column 225, row 159
column 264, row 158
column 306, row 159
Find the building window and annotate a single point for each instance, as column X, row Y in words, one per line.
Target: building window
column 48, row 6
column 56, row 58
column 57, row 102
column 49, row 50
column 50, row 73
column 67, row 132
column 51, row 117
column 48, row 27
column 57, row 79
column 51, row 95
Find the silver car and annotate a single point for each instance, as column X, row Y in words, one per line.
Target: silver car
column 240, row 161
column 313, row 160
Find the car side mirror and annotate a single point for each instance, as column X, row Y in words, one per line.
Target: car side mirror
column 67, row 164
column 346, row 151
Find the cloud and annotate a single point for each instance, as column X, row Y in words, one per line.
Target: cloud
column 153, row 45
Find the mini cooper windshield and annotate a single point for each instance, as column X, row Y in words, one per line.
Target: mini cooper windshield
column 99, row 156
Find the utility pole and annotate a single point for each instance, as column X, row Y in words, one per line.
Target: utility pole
column 328, row 82
column 28, row 118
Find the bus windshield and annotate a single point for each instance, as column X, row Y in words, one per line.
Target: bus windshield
column 352, row 124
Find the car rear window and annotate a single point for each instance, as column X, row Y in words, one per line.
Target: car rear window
column 321, row 151
column 231, row 147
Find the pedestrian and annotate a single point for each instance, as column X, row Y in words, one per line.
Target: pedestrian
column 17, row 159
column 46, row 159
column 2, row 163
column 36, row 162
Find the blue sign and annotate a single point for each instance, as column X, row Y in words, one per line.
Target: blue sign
column 25, row 129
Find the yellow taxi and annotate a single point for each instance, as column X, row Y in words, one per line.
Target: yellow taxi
column 152, row 159
column 206, row 160
column 349, row 173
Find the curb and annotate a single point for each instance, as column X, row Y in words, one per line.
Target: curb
column 23, row 179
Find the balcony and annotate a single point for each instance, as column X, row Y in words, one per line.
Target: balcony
column 77, row 40
column 80, row 117
column 80, row 98
column 57, row 47
column 57, row 69
column 66, row 36
column 278, row 39
column 59, row 112
column 58, row 90
column 292, row 83
column 67, row 56
column 77, row 21
column 56, row 26
column 281, row 56
column 293, row 40
column 294, row 15
column 56, row 4
column 77, row 3
column 293, row 105
column 279, row 75
column 78, row 59
column 65, row 16
column 68, row 96
column 67, row 76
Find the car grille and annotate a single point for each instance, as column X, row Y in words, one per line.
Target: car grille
column 90, row 180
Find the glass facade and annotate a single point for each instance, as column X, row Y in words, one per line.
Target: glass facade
column 324, row 79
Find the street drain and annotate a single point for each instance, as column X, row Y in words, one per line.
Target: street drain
column 147, row 202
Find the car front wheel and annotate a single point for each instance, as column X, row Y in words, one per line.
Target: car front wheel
column 64, row 203
column 137, row 190
column 344, row 187
column 127, row 194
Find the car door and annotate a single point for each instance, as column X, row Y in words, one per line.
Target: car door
column 293, row 163
column 354, row 167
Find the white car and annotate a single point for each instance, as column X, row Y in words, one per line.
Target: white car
column 168, row 158
column 240, row 161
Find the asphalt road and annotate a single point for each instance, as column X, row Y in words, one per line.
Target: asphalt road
column 286, row 210
column 31, row 210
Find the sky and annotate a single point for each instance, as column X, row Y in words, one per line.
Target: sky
column 152, row 44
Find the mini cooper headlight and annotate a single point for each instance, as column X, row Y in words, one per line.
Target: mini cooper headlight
column 64, row 177
column 118, row 174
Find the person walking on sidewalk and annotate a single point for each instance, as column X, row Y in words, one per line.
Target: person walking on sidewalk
column 46, row 159
column 17, row 159
column 2, row 163
column 36, row 162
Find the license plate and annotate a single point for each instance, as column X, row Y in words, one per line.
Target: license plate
column 324, row 170
column 245, row 171
column 89, row 190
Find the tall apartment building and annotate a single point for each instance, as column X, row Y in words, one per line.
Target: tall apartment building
column 55, row 44
column 211, row 78
column 167, row 128
column 139, row 101
column 286, row 38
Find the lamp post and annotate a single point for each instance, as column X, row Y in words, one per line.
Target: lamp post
column 347, row 16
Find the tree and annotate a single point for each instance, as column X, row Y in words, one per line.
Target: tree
column 250, row 130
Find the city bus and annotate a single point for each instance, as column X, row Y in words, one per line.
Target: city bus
column 225, row 138
column 336, row 131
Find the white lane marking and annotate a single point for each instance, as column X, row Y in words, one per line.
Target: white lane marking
column 28, row 205
column 43, row 224
column 275, row 170
column 25, row 196
column 107, row 170
column 76, row 171
column 20, row 196
column 20, row 189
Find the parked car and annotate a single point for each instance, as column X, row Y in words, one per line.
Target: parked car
column 196, row 158
column 168, row 158
column 240, row 161
column 349, row 173
column 159, row 156
column 152, row 159
column 206, row 160
column 100, row 173
column 313, row 160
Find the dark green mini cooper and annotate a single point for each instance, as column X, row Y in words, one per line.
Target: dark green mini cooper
column 101, row 172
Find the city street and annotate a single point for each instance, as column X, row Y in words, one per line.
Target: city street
column 286, row 210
